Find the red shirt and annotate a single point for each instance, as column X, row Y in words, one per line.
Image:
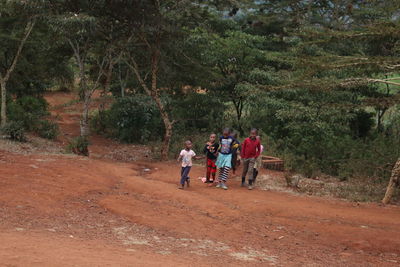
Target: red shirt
column 250, row 148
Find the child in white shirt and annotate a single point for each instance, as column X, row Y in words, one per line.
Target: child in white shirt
column 186, row 156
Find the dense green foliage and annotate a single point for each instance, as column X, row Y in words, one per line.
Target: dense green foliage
column 29, row 113
column 130, row 119
column 320, row 79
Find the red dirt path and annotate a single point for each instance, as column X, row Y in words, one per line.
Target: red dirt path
column 65, row 210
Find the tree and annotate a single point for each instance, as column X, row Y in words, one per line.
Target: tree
column 393, row 182
column 92, row 36
column 237, row 63
column 160, row 26
column 19, row 14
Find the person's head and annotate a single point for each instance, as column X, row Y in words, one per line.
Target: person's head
column 188, row 144
column 213, row 136
column 258, row 138
column 234, row 135
column 253, row 133
column 226, row 132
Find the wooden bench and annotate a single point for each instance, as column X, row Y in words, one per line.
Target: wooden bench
column 273, row 163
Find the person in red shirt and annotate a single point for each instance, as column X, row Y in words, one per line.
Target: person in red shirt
column 251, row 149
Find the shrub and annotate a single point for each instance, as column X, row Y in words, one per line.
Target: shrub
column 28, row 110
column 79, row 145
column 98, row 122
column 197, row 113
column 14, row 130
column 47, row 129
column 131, row 119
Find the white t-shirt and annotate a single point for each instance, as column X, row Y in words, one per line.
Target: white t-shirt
column 187, row 157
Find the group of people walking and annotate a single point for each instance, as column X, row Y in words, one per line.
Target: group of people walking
column 222, row 154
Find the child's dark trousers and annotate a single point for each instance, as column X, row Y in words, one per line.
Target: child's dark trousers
column 185, row 174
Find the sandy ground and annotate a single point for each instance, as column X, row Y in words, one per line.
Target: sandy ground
column 65, row 210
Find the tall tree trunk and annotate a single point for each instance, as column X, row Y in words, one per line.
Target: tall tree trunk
column 3, row 103
column 122, row 81
column 106, row 86
column 164, row 114
column 4, row 79
column 84, row 123
column 153, row 92
column 167, row 125
column 393, row 182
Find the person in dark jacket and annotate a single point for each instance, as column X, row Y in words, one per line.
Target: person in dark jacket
column 211, row 151
column 235, row 151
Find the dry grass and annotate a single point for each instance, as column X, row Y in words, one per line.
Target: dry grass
column 355, row 189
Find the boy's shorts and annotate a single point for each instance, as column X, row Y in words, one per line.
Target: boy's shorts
column 211, row 167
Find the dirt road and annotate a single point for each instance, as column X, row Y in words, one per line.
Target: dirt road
column 65, row 210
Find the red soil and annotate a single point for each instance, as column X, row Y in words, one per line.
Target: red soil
column 63, row 210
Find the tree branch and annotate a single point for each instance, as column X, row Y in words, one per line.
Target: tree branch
column 384, row 81
column 135, row 68
column 27, row 32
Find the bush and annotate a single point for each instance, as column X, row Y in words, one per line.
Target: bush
column 79, row 145
column 197, row 113
column 14, row 130
column 98, row 122
column 28, row 110
column 130, row 119
column 47, row 129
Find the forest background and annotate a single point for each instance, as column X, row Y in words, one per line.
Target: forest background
column 319, row 79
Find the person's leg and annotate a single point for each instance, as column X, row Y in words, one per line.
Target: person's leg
column 257, row 166
column 208, row 171
column 255, row 174
column 250, row 172
column 224, row 177
column 245, row 170
column 213, row 170
column 184, row 174
column 183, row 178
column 188, row 168
column 224, row 174
column 233, row 162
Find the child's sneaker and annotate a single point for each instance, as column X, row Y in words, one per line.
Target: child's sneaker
column 188, row 182
column 243, row 184
column 181, row 186
column 218, row 185
column 250, row 187
column 223, row 186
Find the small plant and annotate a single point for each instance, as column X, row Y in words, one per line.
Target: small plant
column 14, row 130
column 47, row 129
column 79, row 145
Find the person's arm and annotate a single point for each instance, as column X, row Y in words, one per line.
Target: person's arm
column 197, row 157
column 180, row 156
column 243, row 148
column 216, row 147
column 205, row 150
column 258, row 149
